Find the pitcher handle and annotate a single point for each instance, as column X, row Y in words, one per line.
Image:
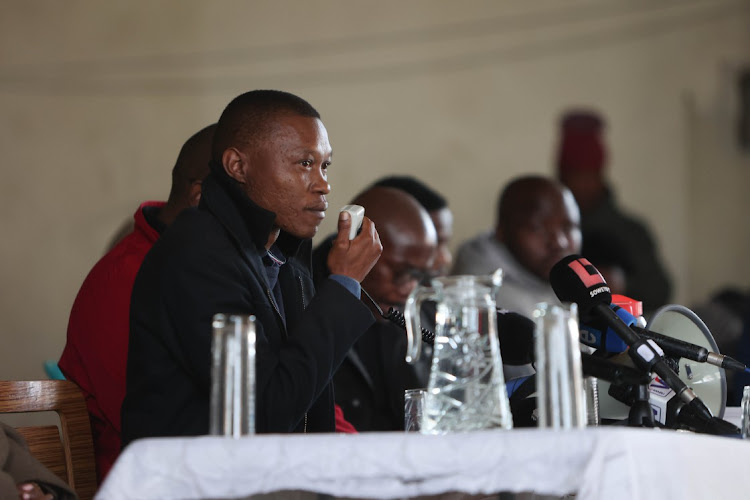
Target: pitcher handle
column 412, row 317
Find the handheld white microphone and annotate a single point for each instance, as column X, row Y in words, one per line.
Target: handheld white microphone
column 357, row 214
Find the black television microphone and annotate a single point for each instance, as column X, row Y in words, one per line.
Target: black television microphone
column 682, row 349
column 674, row 347
column 516, row 335
column 594, row 334
column 614, row 373
column 575, row 279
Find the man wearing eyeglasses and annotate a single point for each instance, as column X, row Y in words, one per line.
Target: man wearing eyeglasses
column 369, row 385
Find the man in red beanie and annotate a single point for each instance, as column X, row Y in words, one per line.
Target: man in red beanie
column 581, row 162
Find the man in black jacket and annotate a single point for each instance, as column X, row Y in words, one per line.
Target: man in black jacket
column 246, row 250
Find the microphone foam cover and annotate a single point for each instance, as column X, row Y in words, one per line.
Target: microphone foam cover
column 575, row 279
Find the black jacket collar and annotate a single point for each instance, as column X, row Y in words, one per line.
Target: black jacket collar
column 247, row 221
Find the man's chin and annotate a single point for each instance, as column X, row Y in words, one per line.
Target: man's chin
column 304, row 233
column 399, row 307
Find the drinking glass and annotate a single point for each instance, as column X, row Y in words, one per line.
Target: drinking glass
column 560, row 394
column 413, row 408
column 232, row 407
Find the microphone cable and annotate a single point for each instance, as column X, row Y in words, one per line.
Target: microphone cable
column 397, row 318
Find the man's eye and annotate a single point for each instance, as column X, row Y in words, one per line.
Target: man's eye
column 306, row 163
column 326, row 164
column 402, row 276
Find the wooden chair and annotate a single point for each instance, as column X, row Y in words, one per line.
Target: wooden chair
column 68, row 451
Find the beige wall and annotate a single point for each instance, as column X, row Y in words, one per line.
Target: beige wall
column 97, row 98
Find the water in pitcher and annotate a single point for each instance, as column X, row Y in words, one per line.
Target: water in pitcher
column 466, row 388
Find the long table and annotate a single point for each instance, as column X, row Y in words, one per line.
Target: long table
column 597, row 463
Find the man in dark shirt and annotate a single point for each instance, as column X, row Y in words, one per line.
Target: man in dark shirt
column 246, row 250
column 371, row 381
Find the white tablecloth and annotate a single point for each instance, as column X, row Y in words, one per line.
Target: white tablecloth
column 598, row 463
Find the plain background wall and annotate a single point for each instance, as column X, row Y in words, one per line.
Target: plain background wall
column 97, row 99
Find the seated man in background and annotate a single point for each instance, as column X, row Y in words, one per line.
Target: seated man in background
column 97, row 344
column 370, row 383
column 537, row 224
column 246, row 250
column 22, row 476
column 581, row 166
column 442, row 218
column 439, row 211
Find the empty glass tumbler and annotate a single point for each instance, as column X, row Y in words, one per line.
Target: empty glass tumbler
column 560, row 391
column 232, row 411
column 413, row 409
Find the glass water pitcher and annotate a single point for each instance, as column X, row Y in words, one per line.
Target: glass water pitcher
column 466, row 389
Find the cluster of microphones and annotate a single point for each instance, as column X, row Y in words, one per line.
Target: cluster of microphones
column 611, row 329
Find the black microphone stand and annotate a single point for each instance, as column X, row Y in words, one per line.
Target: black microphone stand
column 641, row 414
column 647, row 357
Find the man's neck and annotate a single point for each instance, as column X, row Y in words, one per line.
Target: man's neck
column 272, row 238
column 168, row 213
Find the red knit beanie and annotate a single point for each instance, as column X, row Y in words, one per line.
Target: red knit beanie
column 581, row 147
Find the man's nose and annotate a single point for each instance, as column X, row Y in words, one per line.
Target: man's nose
column 408, row 285
column 320, row 182
column 559, row 239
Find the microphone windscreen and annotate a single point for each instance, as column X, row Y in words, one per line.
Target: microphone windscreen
column 575, row 279
column 516, row 336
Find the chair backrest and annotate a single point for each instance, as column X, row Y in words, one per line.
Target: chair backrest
column 69, row 451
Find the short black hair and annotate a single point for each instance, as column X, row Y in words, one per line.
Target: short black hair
column 246, row 118
column 192, row 162
column 427, row 197
column 515, row 199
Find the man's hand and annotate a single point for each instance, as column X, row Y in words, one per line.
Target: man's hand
column 354, row 258
column 32, row 491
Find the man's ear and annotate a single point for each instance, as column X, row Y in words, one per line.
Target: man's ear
column 499, row 236
column 194, row 195
column 234, row 164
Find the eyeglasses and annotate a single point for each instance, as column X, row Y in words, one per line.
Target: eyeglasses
column 407, row 274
